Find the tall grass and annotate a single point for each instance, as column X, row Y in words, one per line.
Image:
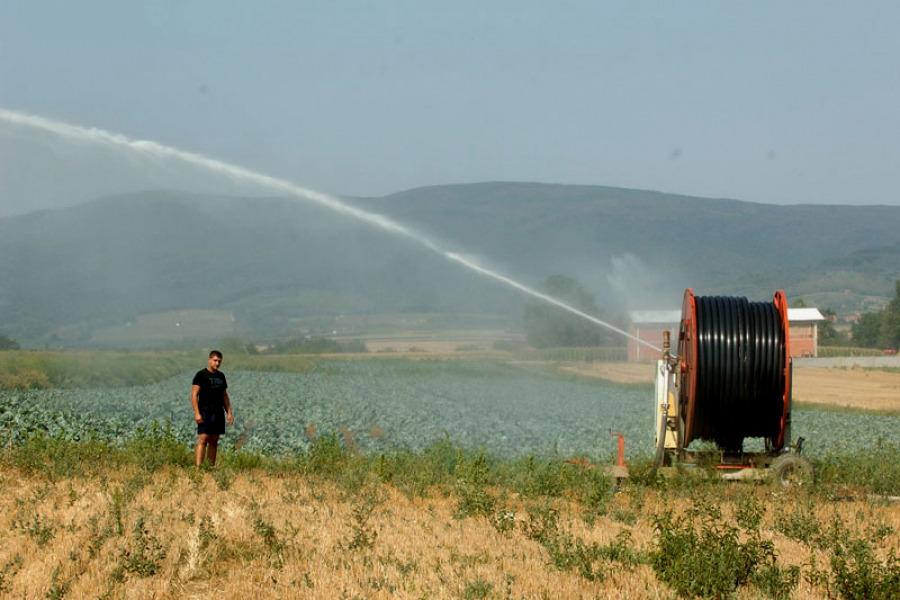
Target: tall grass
column 441, row 465
column 875, row 469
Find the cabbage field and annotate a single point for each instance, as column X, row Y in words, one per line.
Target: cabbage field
column 380, row 404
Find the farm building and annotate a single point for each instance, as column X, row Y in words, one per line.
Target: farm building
column 805, row 331
column 649, row 325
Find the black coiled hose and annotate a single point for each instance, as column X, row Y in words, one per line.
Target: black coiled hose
column 740, row 371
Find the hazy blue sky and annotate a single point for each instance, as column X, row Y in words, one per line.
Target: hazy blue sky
column 768, row 101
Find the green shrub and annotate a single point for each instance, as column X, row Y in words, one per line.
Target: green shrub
column 774, row 581
column 144, row 554
column 857, row 574
column 537, row 477
column 550, row 477
column 473, row 477
column 569, row 553
column 749, row 512
column 706, row 559
column 503, row 520
column 364, row 535
column 478, row 589
column 415, row 472
column 325, row 456
column 542, row 523
column 38, row 529
column 799, row 523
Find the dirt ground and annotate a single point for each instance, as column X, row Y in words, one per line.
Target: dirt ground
column 865, row 389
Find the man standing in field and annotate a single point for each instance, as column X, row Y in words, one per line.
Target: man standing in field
column 212, row 408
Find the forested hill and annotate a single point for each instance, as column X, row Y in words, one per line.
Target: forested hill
column 65, row 272
column 843, row 256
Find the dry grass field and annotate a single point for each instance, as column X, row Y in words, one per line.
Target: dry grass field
column 864, row 389
column 617, row 372
column 867, row 389
column 179, row 533
column 437, row 342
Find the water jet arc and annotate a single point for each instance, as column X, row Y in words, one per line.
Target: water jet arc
column 238, row 173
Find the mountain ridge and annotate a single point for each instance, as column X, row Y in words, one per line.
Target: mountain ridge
column 272, row 260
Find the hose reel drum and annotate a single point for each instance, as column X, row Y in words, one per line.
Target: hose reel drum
column 730, row 380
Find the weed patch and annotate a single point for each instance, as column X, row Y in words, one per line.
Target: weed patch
column 58, row 586
column 569, row 553
column 706, row 559
column 799, row 524
column 38, row 529
column 363, row 535
column 503, row 520
column 856, row 571
column 477, row 590
column 9, row 571
column 471, row 488
column 144, row 553
column 776, row 582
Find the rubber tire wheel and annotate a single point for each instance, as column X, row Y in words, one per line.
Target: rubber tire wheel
column 791, row 471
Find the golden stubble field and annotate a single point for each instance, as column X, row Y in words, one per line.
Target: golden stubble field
column 855, row 388
column 176, row 533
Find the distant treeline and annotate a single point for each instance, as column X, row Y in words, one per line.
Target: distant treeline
column 549, row 326
column 7, row 343
column 880, row 329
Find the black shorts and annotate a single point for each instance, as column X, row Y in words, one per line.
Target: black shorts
column 213, row 423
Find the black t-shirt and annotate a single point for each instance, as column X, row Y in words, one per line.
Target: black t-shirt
column 212, row 390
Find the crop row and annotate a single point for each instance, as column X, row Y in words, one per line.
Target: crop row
column 381, row 404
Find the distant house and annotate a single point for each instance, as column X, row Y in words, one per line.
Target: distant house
column 649, row 325
column 805, row 331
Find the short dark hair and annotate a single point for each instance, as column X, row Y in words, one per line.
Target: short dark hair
column 215, row 353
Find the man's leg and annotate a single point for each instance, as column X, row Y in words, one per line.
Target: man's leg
column 200, row 450
column 212, row 445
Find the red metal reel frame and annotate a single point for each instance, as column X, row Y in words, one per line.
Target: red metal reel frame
column 687, row 359
column 781, row 304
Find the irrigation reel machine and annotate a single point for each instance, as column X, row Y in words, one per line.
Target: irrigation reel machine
column 730, row 380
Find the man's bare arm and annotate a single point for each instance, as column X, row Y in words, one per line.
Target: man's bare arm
column 229, row 416
column 195, row 402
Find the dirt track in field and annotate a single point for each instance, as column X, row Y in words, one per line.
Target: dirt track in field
column 856, row 388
